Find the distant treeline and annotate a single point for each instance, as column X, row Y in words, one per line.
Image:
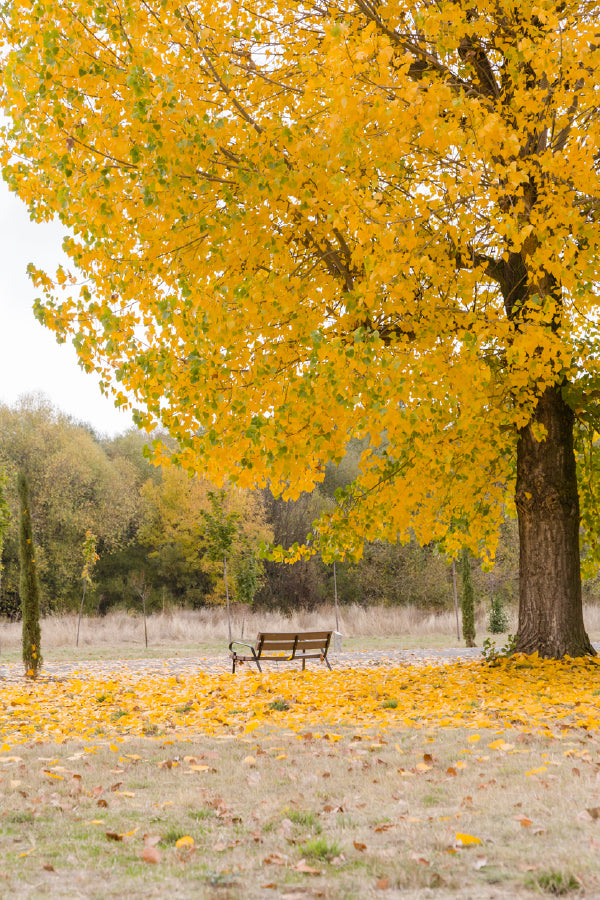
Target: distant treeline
column 150, row 527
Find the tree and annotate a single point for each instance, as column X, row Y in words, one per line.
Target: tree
column 303, row 583
column 75, row 484
column 221, row 530
column 293, row 224
column 498, row 619
column 467, row 600
column 4, row 517
column 172, row 535
column 90, row 558
column 29, row 588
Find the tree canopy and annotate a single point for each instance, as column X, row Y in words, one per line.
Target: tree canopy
column 291, row 224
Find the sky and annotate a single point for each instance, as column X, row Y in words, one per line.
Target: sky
column 30, row 358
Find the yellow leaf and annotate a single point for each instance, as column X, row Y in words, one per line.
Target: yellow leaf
column 186, row 841
column 466, row 839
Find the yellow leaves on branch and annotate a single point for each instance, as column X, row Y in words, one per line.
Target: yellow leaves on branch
column 291, row 225
column 529, row 694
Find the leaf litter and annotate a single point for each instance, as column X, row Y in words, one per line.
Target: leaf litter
column 455, row 785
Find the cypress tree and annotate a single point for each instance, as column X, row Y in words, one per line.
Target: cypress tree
column 468, row 601
column 498, row 621
column 4, row 518
column 29, row 589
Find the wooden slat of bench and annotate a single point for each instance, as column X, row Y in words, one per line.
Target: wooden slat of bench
column 290, row 635
column 270, row 642
column 298, row 657
column 311, row 645
column 288, row 646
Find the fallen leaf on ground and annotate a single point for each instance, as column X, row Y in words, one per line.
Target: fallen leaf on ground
column 523, row 821
column 151, row 840
column 187, row 841
column 275, row 859
column 466, row 839
column 308, row 870
column 151, row 854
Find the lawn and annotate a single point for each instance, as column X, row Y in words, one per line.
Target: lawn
column 456, row 781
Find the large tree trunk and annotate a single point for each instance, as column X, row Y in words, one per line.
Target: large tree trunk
column 550, row 608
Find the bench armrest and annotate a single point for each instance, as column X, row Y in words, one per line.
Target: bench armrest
column 241, row 644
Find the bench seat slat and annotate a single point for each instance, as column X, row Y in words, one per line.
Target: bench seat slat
column 292, row 635
column 284, row 645
column 283, row 658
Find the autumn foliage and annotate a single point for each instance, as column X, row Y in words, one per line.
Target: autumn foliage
column 291, row 225
column 527, row 694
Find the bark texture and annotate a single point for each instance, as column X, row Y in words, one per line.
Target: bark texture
column 550, row 607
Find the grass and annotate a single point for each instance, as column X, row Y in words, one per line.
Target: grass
column 322, row 849
column 304, row 819
column 289, row 814
column 171, row 836
column 354, row 819
column 279, row 705
column 556, row 883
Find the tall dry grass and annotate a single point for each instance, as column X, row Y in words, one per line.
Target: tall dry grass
column 182, row 626
column 191, row 627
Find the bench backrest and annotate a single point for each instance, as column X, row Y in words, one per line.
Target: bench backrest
column 269, row 641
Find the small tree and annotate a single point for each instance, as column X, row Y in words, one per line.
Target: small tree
column 221, row 532
column 142, row 588
column 29, row 589
column 468, row 601
column 90, row 558
column 248, row 576
column 4, row 517
column 498, row 620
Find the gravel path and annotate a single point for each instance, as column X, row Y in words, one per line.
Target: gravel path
column 220, row 664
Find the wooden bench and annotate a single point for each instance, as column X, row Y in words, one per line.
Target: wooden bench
column 295, row 645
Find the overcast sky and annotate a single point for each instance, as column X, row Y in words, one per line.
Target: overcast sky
column 30, row 358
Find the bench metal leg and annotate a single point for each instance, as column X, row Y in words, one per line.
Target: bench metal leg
column 327, row 661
